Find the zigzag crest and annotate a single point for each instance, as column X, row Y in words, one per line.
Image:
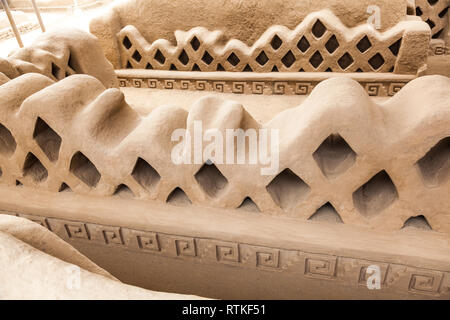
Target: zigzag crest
column 376, row 164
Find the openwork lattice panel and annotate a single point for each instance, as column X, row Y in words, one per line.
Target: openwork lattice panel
column 435, row 13
column 321, row 43
column 342, row 157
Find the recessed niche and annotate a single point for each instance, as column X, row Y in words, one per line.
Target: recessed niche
column 334, row 156
column 123, row 191
column 375, row 195
column 287, row 189
column 84, row 170
column 145, row 174
column 7, row 142
column 47, row 139
column 64, row 188
column 211, row 180
column 178, row 198
column 326, row 213
column 248, row 205
column 34, row 169
column 434, row 166
column 418, row 222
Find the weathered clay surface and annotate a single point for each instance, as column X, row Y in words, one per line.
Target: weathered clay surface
column 89, row 140
column 35, row 272
column 236, row 37
column 60, row 53
column 33, row 234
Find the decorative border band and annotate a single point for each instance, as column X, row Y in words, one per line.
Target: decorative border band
column 347, row 270
column 259, row 84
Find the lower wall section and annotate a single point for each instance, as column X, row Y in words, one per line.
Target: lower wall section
column 233, row 270
column 232, row 255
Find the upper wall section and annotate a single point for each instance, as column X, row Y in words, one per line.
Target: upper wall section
column 247, row 22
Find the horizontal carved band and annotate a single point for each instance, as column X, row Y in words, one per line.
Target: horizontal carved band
column 350, row 271
column 262, row 84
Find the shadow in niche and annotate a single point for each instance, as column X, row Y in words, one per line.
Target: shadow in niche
column 248, row 205
column 7, row 142
column 33, row 168
column 178, row 198
column 47, row 139
column 84, row 170
column 326, row 213
column 287, row 189
column 435, row 165
column 418, row 222
column 375, row 195
column 123, row 191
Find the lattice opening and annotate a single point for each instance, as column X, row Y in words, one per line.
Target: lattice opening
column 437, row 35
column 431, row 23
column 318, row 29
column 33, row 168
column 435, row 165
column 248, row 205
column 276, row 42
column 64, row 188
column 129, row 66
column 149, row 66
column 8, row 144
column 274, row 69
column 419, row 12
column 287, row 189
column 418, row 222
column 432, row 2
column 247, row 68
column 345, row 61
column 126, row 43
column 211, row 180
column 195, row 43
column 289, row 59
column 376, row 61
column 137, row 56
column 326, row 213
column 183, row 57
column 220, row 67
column 443, row 13
column 84, row 170
column 160, row 57
column 56, row 71
column 364, row 44
column 233, row 59
column 173, row 67
column 334, row 156
column 375, row 195
column 332, row 44
column 303, row 45
column 316, row 59
column 395, row 47
column 207, row 58
column 262, row 58
column 72, row 63
column 195, row 67
column 19, row 184
column 1, row 172
column 123, row 191
column 178, row 198
column 47, row 139
column 145, row 174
